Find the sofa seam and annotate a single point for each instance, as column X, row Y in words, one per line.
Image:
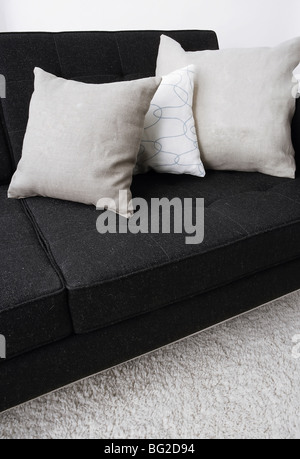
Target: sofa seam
column 28, row 302
column 125, row 276
column 58, row 55
column 39, row 346
column 41, row 297
column 158, row 245
column 249, row 192
column 287, row 197
column 119, row 52
column 212, row 208
column 43, row 242
column 230, row 219
column 196, row 294
column 47, row 250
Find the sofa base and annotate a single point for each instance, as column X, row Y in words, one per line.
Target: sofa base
column 56, row 365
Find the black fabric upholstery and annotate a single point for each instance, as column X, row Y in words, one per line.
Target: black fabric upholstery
column 50, row 367
column 252, row 222
column 5, row 160
column 91, row 57
column 33, row 300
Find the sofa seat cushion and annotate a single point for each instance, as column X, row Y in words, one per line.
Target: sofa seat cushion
column 252, row 223
column 33, row 300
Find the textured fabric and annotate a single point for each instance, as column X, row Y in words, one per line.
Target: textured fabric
column 79, row 356
column 243, row 104
column 5, row 161
column 252, row 222
column 82, row 140
column 169, row 143
column 33, row 302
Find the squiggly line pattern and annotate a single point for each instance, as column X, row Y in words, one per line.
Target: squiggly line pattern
column 170, row 141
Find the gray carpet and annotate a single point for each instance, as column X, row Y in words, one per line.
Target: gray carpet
column 240, row 379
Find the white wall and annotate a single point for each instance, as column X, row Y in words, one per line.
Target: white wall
column 237, row 22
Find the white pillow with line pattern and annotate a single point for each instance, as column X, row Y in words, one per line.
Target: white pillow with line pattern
column 169, row 143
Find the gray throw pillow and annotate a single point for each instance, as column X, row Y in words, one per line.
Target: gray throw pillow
column 82, row 140
column 243, row 104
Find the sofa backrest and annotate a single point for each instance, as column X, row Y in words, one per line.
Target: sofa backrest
column 92, row 57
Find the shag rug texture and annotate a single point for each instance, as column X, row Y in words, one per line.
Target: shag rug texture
column 240, row 379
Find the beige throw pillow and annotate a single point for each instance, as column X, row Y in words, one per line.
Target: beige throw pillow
column 243, row 104
column 82, row 140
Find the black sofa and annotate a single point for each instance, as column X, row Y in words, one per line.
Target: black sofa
column 74, row 302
